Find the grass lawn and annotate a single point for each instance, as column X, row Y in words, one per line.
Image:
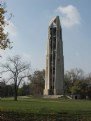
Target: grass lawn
column 35, row 105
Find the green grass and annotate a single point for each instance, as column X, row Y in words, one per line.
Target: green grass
column 35, row 105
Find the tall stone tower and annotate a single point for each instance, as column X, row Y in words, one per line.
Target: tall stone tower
column 54, row 73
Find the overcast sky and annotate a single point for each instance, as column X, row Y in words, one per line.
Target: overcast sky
column 29, row 31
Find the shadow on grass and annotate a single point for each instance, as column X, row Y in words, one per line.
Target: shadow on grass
column 18, row 116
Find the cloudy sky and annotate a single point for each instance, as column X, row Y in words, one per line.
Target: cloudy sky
column 28, row 30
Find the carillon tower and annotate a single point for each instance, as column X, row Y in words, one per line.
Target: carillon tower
column 54, row 72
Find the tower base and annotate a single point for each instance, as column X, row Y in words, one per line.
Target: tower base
column 53, row 92
column 46, row 92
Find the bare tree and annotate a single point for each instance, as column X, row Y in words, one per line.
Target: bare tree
column 18, row 70
column 75, row 74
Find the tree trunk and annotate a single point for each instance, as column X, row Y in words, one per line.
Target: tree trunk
column 15, row 95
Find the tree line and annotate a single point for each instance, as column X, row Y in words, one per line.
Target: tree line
column 77, row 83
column 22, row 82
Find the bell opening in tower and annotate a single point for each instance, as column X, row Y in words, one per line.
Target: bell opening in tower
column 52, row 58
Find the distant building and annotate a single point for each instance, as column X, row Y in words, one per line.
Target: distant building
column 54, row 73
